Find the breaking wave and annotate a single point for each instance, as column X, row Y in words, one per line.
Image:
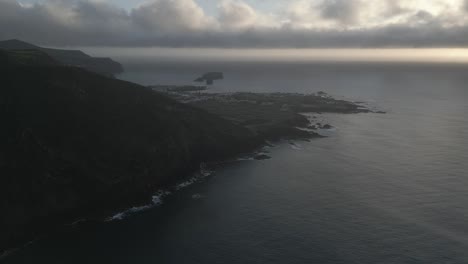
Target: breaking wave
column 157, row 198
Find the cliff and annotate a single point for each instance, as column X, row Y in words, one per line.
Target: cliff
column 74, row 143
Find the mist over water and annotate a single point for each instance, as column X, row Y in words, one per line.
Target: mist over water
column 387, row 188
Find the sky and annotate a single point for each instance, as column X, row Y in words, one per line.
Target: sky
column 237, row 23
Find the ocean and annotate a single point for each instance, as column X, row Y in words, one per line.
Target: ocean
column 381, row 188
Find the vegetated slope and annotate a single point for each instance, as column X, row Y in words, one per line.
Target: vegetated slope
column 26, row 58
column 105, row 66
column 76, row 143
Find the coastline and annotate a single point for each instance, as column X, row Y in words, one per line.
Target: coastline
column 210, row 130
column 304, row 128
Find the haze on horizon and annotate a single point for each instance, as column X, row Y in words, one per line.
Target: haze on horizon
column 164, row 54
column 237, row 24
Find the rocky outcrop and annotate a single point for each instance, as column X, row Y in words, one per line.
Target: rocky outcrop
column 210, row 77
column 270, row 116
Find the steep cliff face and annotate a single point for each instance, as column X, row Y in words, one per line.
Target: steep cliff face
column 74, row 143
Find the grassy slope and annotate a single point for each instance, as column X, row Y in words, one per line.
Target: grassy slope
column 74, row 143
column 78, row 58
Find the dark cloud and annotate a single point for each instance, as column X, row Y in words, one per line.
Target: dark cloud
column 176, row 23
column 343, row 11
column 58, row 23
column 169, row 17
column 423, row 17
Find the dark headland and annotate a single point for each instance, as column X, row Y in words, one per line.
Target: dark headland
column 76, row 144
column 77, row 58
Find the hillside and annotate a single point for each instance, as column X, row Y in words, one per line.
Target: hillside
column 74, row 143
column 105, row 66
column 26, row 58
column 77, row 144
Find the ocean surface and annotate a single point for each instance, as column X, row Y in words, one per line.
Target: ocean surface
column 389, row 188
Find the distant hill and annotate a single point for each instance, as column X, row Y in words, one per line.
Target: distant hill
column 105, row 66
column 14, row 44
column 26, row 57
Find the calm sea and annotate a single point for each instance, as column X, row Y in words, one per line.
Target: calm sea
column 387, row 188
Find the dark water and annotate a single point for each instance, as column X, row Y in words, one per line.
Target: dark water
column 381, row 189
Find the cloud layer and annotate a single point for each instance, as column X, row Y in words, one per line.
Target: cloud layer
column 298, row 23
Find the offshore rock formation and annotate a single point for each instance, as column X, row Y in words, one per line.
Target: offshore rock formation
column 210, row 77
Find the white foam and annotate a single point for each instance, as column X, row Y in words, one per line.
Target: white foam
column 306, row 129
column 186, row 183
column 295, row 146
column 76, row 222
column 202, row 174
column 11, row 251
column 204, row 171
column 157, row 198
column 245, row 159
column 7, row 253
column 122, row 215
column 118, row 216
column 155, row 201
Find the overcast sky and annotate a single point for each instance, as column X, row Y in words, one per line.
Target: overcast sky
column 237, row 23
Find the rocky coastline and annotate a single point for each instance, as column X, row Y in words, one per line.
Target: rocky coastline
column 271, row 116
column 79, row 145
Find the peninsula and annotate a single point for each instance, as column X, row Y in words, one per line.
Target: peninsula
column 76, row 144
